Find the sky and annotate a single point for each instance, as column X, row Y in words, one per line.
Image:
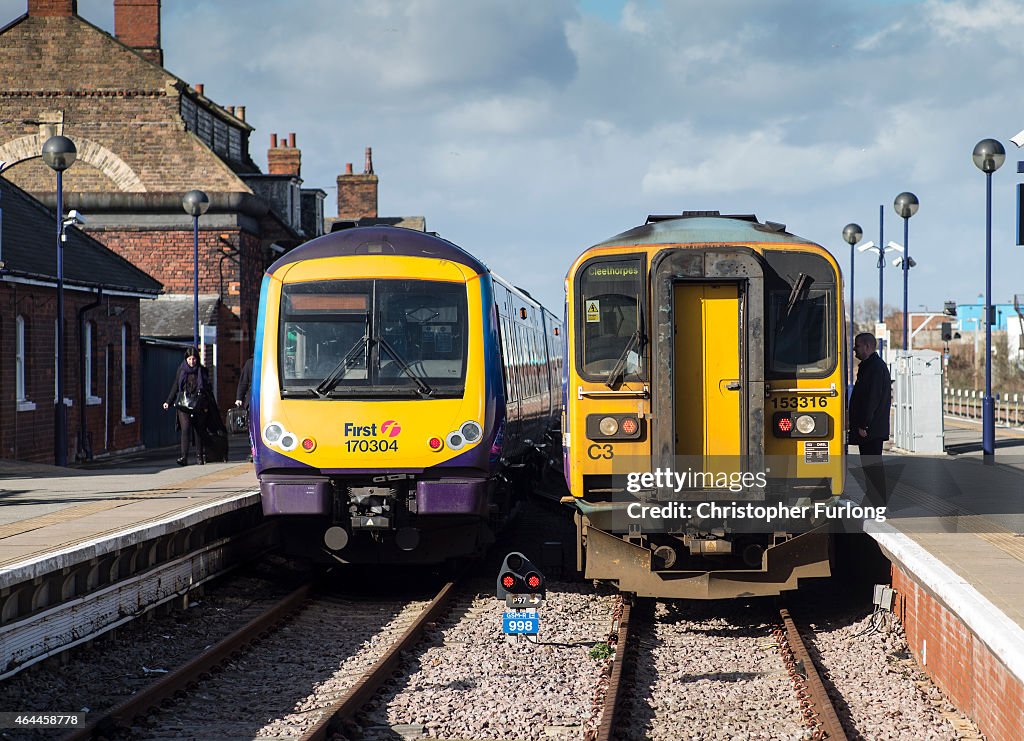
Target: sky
column 526, row 131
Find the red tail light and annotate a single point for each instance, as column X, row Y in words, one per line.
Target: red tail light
column 629, row 426
column 785, row 424
column 435, row 443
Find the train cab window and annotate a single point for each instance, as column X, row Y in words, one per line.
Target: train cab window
column 610, row 317
column 374, row 338
column 801, row 338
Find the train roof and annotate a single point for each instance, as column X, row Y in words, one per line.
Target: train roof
column 704, row 227
column 387, row 240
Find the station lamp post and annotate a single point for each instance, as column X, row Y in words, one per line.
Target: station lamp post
column 851, row 234
column 59, row 153
column 195, row 204
column 906, row 205
column 988, row 156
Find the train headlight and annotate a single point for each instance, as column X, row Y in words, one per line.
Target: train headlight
column 805, row 424
column 471, row 432
column 455, row 440
column 289, row 442
column 608, row 426
column 273, row 432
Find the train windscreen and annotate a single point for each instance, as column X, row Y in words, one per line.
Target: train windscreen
column 610, row 318
column 373, row 338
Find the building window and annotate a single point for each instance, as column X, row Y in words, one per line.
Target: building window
column 21, row 370
column 21, row 366
column 91, row 368
column 126, row 373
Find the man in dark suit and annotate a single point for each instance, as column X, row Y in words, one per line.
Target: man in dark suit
column 869, row 413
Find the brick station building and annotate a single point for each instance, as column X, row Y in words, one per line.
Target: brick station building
column 144, row 138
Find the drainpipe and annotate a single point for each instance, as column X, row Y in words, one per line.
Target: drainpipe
column 84, row 446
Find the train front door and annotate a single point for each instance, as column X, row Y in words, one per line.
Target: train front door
column 708, row 392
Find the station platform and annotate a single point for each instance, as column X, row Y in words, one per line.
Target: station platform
column 54, row 518
column 954, row 534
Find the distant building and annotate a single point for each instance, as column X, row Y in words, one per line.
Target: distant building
column 145, row 138
column 972, row 315
column 101, row 359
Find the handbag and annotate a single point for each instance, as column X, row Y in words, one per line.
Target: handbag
column 187, row 401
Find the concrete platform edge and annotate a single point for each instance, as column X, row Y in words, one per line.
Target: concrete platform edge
column 86, row 550
column 986, row 621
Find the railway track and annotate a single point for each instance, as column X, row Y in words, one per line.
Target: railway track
column 636, row 628
column 218, row 686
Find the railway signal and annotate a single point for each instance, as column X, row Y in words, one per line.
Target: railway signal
column 518, row 576
column 521, row 585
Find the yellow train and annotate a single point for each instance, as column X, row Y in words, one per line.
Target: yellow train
column 704, row 407
column 402, row 396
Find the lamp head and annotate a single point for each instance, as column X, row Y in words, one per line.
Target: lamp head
column 867, row 246
column 195, row 203
column 989, row 155
column 59, row 153
column 906, row 205
column 852, row 233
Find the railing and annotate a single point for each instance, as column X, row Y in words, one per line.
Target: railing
column 966, row 403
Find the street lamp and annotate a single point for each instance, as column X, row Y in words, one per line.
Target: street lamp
column 988, row 156
column 195, row 204
column 906, row 205
column 59, row 154
column 851, row 234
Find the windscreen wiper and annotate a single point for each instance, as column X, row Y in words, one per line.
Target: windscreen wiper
column 636, row 341
column 799, row 291
column 339, row 371
column 424, row 388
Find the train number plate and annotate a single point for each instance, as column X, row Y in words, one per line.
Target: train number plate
column 799, row 402
column 520, row 623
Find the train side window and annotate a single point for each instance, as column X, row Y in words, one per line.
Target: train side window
column 609, row 317
column 801, row 335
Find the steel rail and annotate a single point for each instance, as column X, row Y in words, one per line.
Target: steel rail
column 613, row 694
column 122, row 715
column 826, row 720
column 374, row 678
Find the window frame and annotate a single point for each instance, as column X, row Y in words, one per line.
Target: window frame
column 828, row 292
column 580, row 315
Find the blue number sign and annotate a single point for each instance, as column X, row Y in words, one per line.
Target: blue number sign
column 520, row 623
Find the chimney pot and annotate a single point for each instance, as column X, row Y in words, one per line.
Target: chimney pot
column 348, row 168
column 199, row 88
column 368, row 169
column 273, row 141
column 291, row 140
column 230, row 109
column 240, row 112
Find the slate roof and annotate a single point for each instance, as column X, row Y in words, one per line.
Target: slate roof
column 28, row 249
column 171, row 315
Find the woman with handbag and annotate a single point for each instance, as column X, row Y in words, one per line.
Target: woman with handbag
column 189, row 395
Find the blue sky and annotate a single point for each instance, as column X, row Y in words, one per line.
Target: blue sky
column 527, row 131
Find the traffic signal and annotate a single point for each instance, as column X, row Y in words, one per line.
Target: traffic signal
column 947, row 331
column 519, row 576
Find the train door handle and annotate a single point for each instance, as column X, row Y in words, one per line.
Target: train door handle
column 734, row 385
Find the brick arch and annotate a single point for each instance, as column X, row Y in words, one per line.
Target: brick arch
column 95, row 154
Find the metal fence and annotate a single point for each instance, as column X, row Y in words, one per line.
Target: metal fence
column 966, row 403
